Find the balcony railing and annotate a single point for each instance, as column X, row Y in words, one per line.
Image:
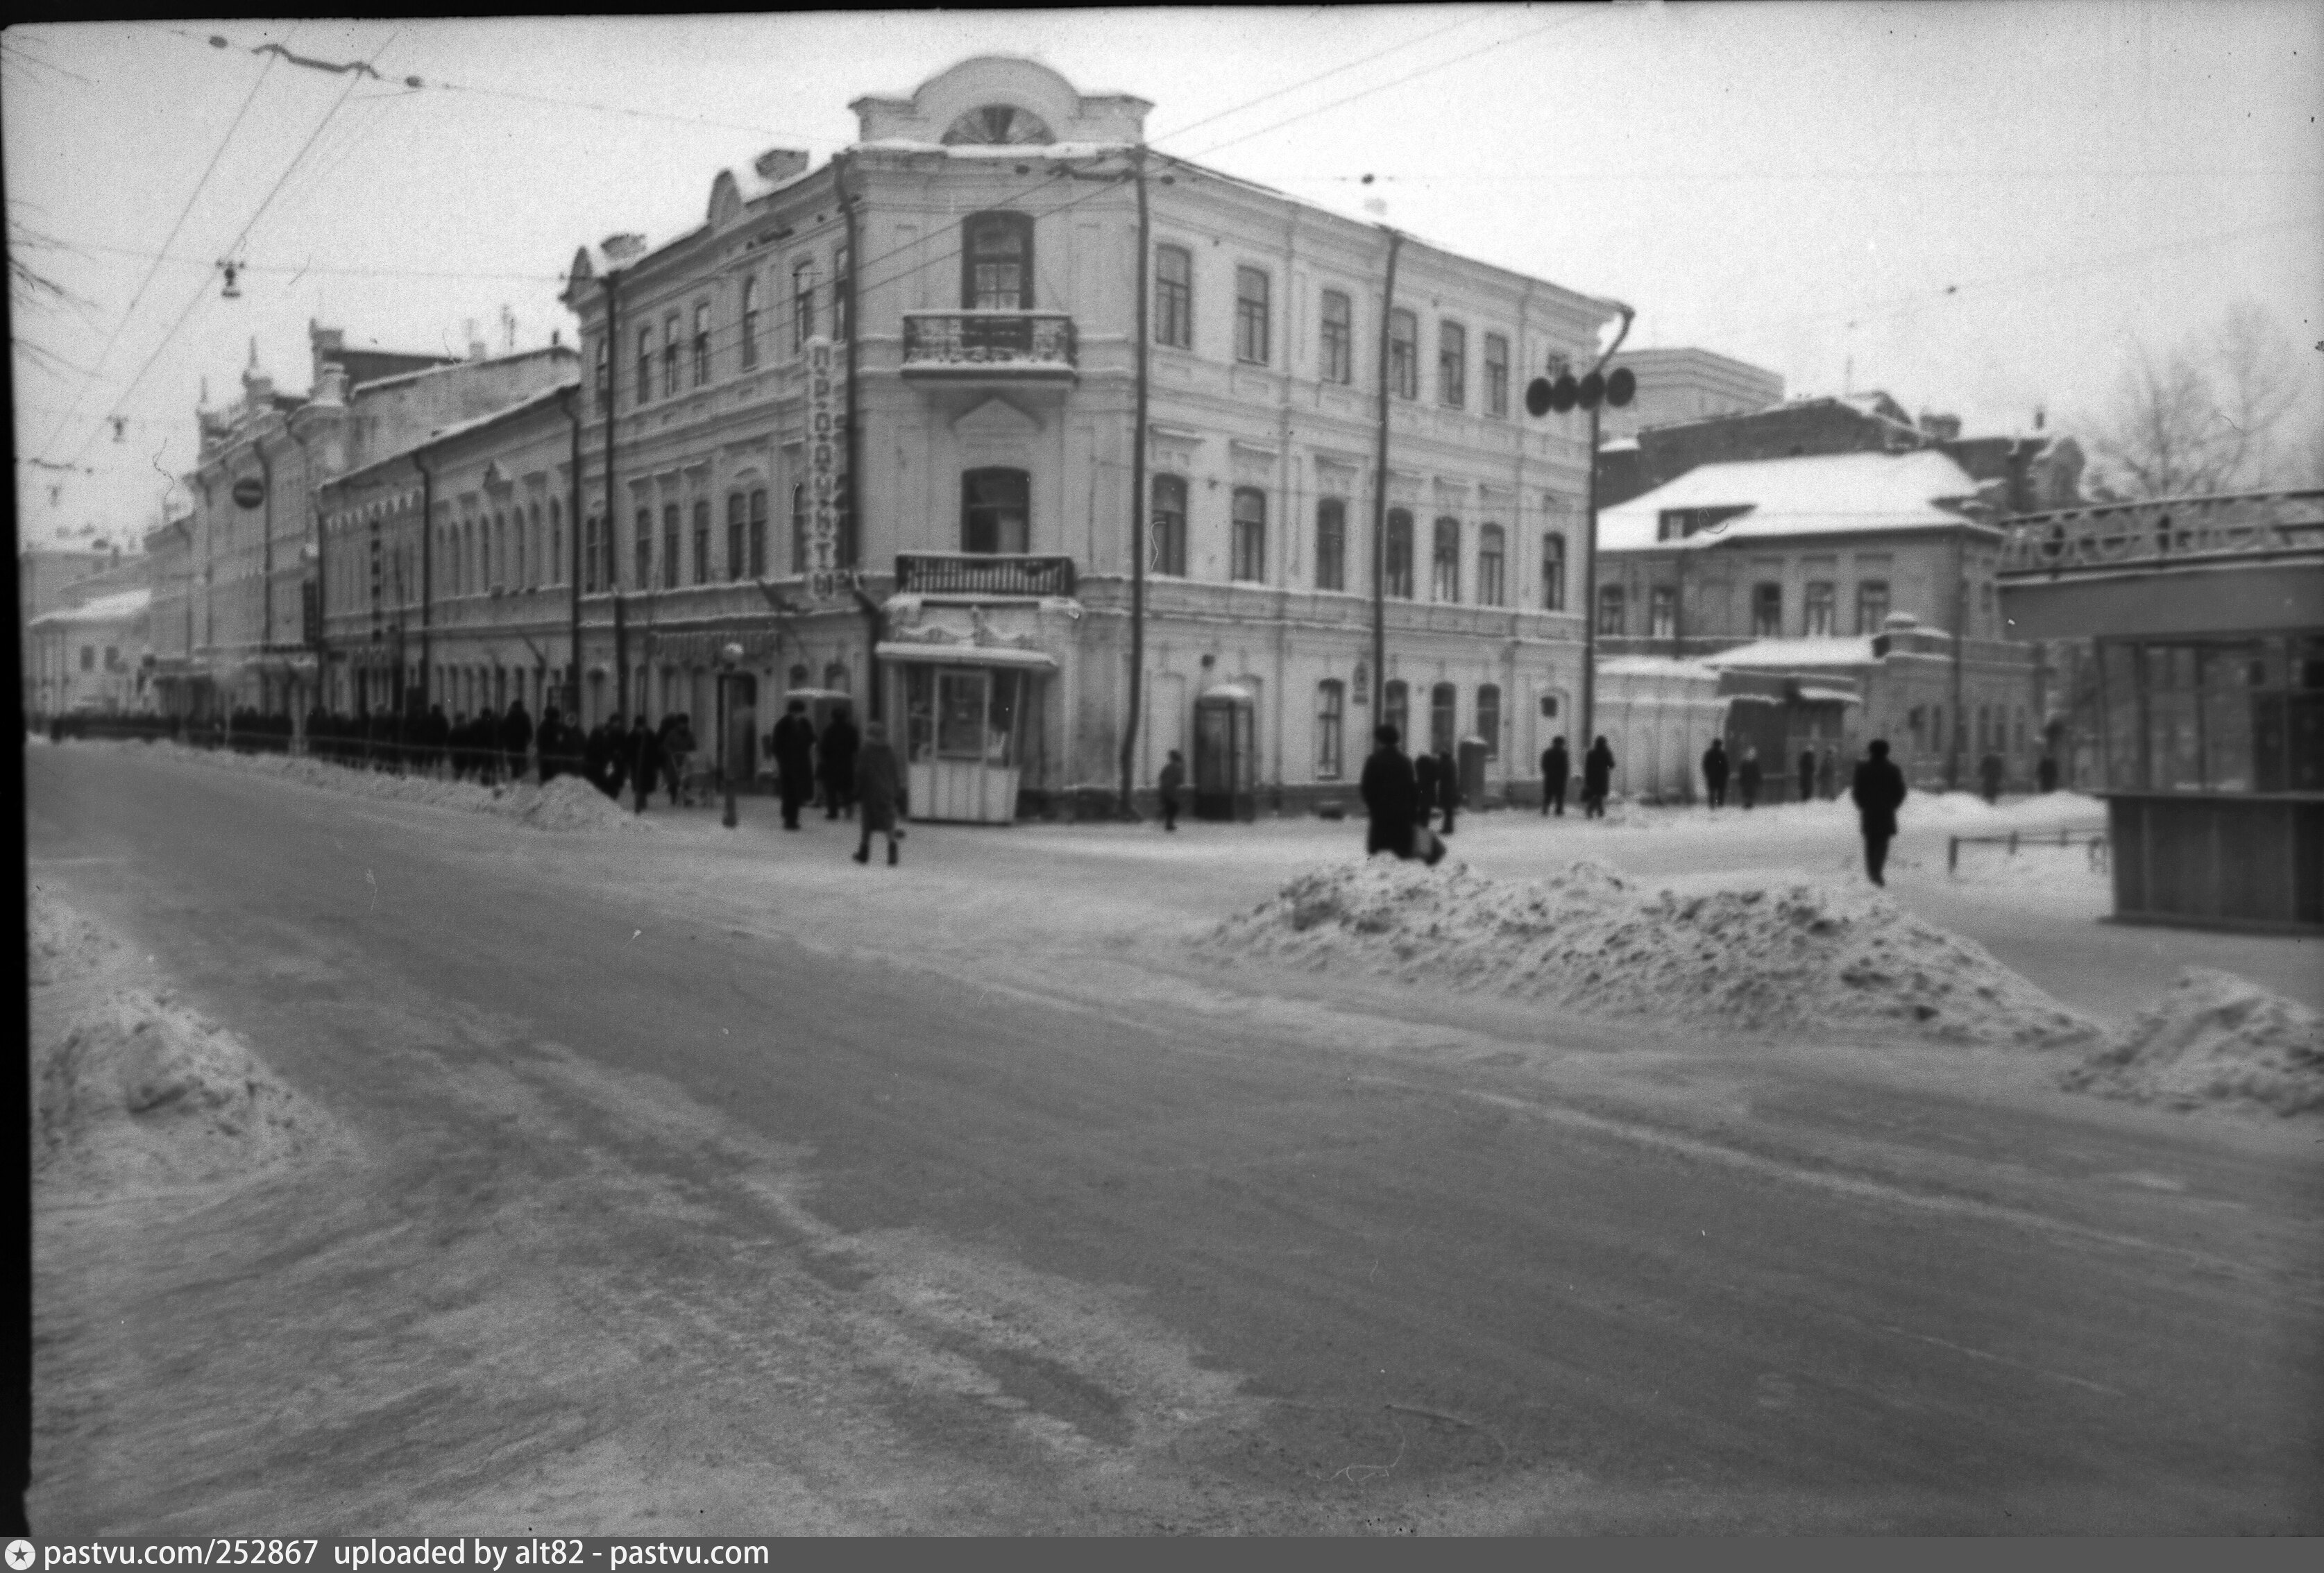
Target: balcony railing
column 980, row 573
column 2167, row 530
column 1011, row 344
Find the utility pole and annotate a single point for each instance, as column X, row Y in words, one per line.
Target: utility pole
column 1137, row 494
column 1380, row 493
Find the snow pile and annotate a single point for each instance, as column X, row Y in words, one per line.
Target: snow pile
column 567, row 803
column 131, row 1092
column 2214, row 1038
column 1793, row 958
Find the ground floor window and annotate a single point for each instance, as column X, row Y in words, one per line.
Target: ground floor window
column 1395, row 711
column 1331, row 709
column 967, row 714
column 1488, row 719
column 1444, row 709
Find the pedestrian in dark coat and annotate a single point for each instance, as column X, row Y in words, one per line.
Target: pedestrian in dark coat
column 1827, row 774
column 1173, row 778
column 1880, row 792
column 516, row 739
column 839, row 743
column 2045, row 774
column 1556, row 772
column 1989, row 771
column 792, row 743
column 620, row 753
column 880, row 791
column 550, row 743
column 1596, row 780
column 673, row 757
column 1747, row 775
column 1448, row 786
column 597, row 761
column 645, row 761
column 1807, row 775
column 1391, row 797
column 1714, row 773
column 1424, row 790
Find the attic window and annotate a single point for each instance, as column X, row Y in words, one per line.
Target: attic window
column 998, row 125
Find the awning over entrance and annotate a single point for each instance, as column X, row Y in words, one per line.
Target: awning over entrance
column 966, row 655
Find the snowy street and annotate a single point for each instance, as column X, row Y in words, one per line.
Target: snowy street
column 686, row 1179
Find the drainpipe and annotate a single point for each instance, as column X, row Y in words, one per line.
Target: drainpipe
column 1138, row 492
column 843, row 165
column 426, row 573
column 1589, row 735
column 613, row 557
column 570, row 402
column 1380, row 495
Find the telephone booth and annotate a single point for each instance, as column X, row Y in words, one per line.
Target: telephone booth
column 967, row 731
column 1226, row 762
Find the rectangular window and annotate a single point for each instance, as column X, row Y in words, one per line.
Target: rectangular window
column 702, row 540
column 645, row 548
column 734, row 519
column 1553, row 572
column 1174, row 297
column 1339, row 338
column 996, row 259
column 802, row 304
column 1166, row 527
column 1250, row 316
column 1871, row 605
column 1397, row 551
column 1396, row 709
column 1766, row 612
column 749, row 329
column 1497, row 374
column 645, row 366
column 1609, row 611
column 1331, row 543
column 670, row 546
column 1250, row 535
column 842, row 292
column 1451, row 364
column 590, row 557
column 1489, row 558
column 1404, row 354
column 1488, row 719
column 669, row 357
column 1819, row 605
column 604, row 372
column 1444, row 717
column 798, row 529
column 996, row 510
column 759, row 533
column 88, row 658
column 1444, row 561
column 701, row 343
column 1662, row 612
column 1330, row 715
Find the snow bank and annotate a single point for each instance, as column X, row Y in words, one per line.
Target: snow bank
column 131, row 1092
column 2214, row 1038
column 567, row 803
column 1795, row 957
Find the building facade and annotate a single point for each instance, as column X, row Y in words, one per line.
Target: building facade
column 884, row 415
column 90, row 657
column 1680, row 385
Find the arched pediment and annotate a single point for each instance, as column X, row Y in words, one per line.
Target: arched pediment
column 1000, row 100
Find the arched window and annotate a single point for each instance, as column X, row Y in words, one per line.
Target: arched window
column 1250, row 545
column 749, row 328
column 1331, row 543
column 1553, row 572
column 735, row 519
column 1444, row 716
column 1490, row 554
column 996, row 263
column 1488, row 719
column 1166, row 527
column 995, row 510
column 1331, row 710
column 1444, row 562
column 759, row 532
column 1399, row 553
column 1396, row 709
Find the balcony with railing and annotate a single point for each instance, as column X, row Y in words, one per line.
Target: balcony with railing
column 1016, row 346
column 994, row 575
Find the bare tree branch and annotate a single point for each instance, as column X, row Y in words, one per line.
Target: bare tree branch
column 2204, row 417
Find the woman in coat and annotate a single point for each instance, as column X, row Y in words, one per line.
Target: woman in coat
column 879, row 791
column 1596, row 780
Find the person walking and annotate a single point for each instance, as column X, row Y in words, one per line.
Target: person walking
column 1556, row 772
column 1391, row 796
column 1714, row 773
column 792, row 742
column 1423, row 788
column 1173, row 777
column 1747, row 775
column 840, row 742
column 1878, row 791
column 645, row 761
column 1827, row 774
column 597, row 761
column 1807, row 775
column 1448, row 785
column 2045, row 774
column 1596, row 780
column 1989, row 771
column 677, row 739
column 516, row 739
column 879, row 791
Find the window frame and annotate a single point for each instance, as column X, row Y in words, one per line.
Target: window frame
column 1331, row 728
column 1165, row 547
column 1492, row 565
column 747, row 332
column 702, row 343
column 1497, row 375
column 803, row 286
column 643, row 549
column 971, row 505
column 734, row 520
column 1488, row 704
column 1869, row 592
column 645, row 366
column 1247, row 545
column 1254, row 317
column 1331, row 543
column 1552, row 570
column 670, row 331
column 1767, row 609
column 1613, row 611
column 1404, row 353
column 1173, row 299
column 758, row 532
column 672, row 524
column 702, row 540
column 1819, row 596
column 1336, row 338
column 1444, row 701
column 1662, row 612
column 1445, row 566
column 1452, row 364
column 1396, row 566
column 994, row 220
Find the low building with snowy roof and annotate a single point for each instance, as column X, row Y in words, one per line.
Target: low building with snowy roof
column 90, row 657
column 1859, row 564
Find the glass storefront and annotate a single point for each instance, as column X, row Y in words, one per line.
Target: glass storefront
column 2213, row 715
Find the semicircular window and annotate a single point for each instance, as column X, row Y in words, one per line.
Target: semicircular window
column 998, row 125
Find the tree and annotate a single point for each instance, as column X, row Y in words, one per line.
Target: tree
column 2202, row 417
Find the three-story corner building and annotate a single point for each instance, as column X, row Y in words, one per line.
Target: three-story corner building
column 884, row 417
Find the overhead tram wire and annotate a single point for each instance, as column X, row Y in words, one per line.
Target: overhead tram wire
column 130, row 310
column 243, row 235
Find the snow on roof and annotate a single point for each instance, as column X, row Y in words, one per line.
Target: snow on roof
column 438, row 371
column 1655, row 666
column 1812, row 495
column 1785, row 653
column 1031, row 149
column 104, row 609
column 506, row 412
column 1620, row 445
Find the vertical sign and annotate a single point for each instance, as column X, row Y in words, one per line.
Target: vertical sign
column 824, row 464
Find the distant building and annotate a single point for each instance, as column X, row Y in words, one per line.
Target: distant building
column 1679, row 385
column 50, row 578
column 1840, row 582
column 90, row 656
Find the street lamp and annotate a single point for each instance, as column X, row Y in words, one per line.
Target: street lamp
column 729, row 659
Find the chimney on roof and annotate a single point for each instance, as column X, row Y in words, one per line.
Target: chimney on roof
column 778, row 164
column 331, row 387
column 475, row 345
column 621, row 248
column 1940, row 428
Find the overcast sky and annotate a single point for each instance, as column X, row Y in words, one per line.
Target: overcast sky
column 1978, row 207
